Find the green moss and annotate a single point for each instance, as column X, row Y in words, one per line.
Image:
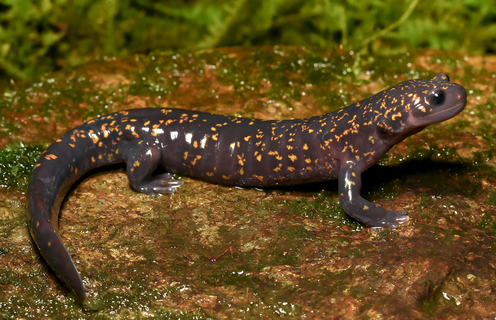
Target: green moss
column 17, row 163
column 492, row 198
column 324, row 206
column 487, row 223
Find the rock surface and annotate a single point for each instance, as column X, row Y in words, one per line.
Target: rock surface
column 210, row 251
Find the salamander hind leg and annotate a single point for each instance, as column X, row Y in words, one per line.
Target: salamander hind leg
column 142, row 159
column 350, row 183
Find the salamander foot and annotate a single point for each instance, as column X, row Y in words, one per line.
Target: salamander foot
column 162, row 183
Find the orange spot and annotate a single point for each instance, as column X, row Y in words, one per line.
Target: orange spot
column 51, row 157
column 198, row 157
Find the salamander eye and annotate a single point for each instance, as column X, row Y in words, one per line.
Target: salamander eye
column 437, row 97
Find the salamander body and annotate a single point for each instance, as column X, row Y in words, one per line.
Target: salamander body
column 235, row 151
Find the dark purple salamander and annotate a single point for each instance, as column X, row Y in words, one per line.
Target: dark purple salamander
column 236, row 151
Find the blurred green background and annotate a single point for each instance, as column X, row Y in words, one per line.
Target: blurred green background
column 38, row 36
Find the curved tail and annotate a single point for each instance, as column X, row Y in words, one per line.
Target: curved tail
column 63, row 163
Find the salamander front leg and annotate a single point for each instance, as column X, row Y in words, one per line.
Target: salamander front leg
column 142, row 160
column 350, row 183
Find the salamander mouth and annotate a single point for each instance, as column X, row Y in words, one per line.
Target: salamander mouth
column 441, row 115
column 450, row 112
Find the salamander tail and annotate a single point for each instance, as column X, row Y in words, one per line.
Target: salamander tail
column 48, row 242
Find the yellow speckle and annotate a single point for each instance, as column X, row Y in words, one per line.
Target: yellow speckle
column 259, row 157
column 292, row 157
column 93, row 159
column 365, row 207
column 241, row 161
column 213, row 129
column 209, row 174
column 215, row 136
column 291, row 169
column 247, row 138
column 195, row 144
column 51, row 157
column 37, row 165
column 49, row 243
column 37, row 224
column 198, row 157
column 308, row 160
column 136, row 163
column 226, row 177
column 305, row 147
column 353, row 174
column 185, row 155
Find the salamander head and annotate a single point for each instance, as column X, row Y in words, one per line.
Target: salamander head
column 410, row 106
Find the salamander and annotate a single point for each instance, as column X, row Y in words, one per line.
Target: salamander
column 235, row 151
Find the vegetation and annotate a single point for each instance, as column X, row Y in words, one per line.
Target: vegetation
column 16, row 164
column 37, row 36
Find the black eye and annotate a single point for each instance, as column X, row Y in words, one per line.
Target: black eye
column 437, row 97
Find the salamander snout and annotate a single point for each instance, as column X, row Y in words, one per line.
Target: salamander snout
column 444, row 101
